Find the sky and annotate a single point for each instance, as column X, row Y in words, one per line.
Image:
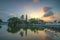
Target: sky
column 43, row 9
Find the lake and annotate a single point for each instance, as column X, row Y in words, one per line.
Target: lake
column 27, row 33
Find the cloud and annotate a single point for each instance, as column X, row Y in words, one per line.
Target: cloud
column 47, row 12
column 5, row 15
column 35, row 1
column 27, row 7
column 13, row 15
column 50, row 18
column 45, row 9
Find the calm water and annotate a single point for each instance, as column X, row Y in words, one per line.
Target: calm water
column 17, row 33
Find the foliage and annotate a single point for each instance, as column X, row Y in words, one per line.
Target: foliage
column 0, row 21
column 22, row 17
column 13, row 21
column 16, row 21
column 36, row 21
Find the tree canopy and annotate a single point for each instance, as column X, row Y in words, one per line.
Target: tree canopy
column 0, row 21
column 15, row 20
column 35, row 21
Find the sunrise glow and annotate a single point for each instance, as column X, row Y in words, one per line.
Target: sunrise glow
column 40, row 14
column 37, row 14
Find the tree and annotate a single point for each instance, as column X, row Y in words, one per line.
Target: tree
column 22, row 17
column 0, row 21
column 33, row 21
column 13, row 21
column 36, row 21
column 26, row 19
column 41, row 22
column 55, row 21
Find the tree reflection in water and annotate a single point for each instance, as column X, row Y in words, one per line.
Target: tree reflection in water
column 14, row 29
column 33, row 31
column 21, row 33
column 0, row 27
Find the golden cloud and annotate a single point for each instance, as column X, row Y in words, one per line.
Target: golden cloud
column 50, row 18
column 35, row 1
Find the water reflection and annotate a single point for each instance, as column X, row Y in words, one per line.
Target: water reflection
column 15, row 29
column 54, row 29
column 21, row 33
column 0, row 26
column 27, row 33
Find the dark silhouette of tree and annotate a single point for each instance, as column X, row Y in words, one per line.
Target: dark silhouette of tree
column 22, row 17
column 21, row 33
column 55, row 21
column 0, row 26
column 14, row 21
column 0, row 21
column 58, row 21
column 36, row 21
column 26, row 18
column 33, row 21
column 13, row 29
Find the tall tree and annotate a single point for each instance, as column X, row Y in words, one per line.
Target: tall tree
column 26, row 18
column 0, row 21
